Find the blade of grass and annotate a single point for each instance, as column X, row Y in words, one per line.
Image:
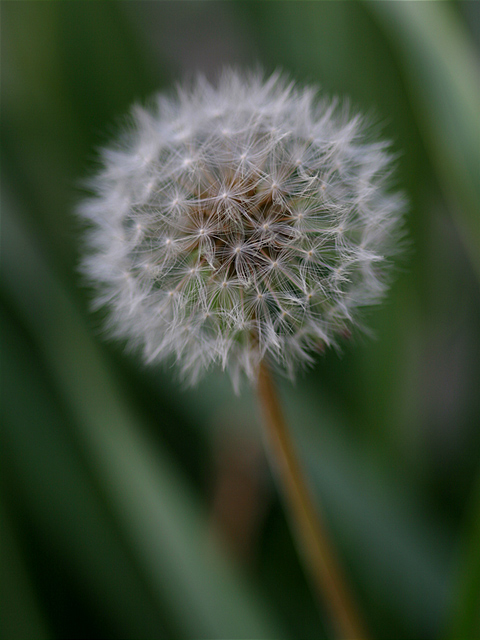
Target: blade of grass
column 465, row 613
column 21, row 615
column 70, row 520
column 442, row 72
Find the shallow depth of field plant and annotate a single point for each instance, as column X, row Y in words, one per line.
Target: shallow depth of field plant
column 244, row 224
column 238, row 227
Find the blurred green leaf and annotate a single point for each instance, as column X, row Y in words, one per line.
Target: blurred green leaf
column 442, row 72
column 21, row 617
column 47, row 473
column 465, row 612
column 157, row 512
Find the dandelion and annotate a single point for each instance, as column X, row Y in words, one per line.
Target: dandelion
column 246, row 225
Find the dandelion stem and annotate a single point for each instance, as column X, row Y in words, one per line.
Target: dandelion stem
column 317, row 552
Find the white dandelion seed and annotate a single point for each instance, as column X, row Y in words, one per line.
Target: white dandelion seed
column 238, row 222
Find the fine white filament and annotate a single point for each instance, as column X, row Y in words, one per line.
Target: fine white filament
column 237, row 222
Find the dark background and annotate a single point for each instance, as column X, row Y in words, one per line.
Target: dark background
column 132, row 508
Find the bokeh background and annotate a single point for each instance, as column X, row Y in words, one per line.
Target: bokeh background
column 132, row 508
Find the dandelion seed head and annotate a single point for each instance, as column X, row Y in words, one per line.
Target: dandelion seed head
column 242, row 221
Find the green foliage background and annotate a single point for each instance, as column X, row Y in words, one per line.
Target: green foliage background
column 112, row 474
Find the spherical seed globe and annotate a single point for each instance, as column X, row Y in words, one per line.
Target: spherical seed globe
column 237, row 222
